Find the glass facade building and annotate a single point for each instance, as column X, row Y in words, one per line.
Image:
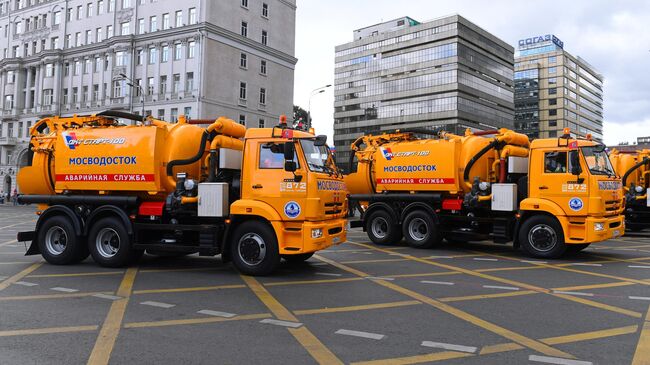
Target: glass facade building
column 555, row 90
column 446, row 74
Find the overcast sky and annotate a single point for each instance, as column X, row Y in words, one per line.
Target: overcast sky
column 613, row 36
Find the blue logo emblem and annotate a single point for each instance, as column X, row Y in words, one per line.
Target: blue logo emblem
column 292, row 209
column 575, row 204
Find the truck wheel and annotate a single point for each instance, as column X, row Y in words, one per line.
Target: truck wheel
column 542, row 236
column 574, row 249
column 110, row 244
column 381, row 228
column 58, row 242
column 254, row 249
column 295, row 259
column 420, row 231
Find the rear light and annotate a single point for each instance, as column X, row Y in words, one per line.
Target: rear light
column 452, row 204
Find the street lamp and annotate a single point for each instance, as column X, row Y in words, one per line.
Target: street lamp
column 316, row 91
column 132, row 84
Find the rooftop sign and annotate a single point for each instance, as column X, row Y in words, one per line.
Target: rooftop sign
column 532, row 41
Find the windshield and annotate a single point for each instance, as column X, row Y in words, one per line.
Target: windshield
column 319, row 158
column 598, row 161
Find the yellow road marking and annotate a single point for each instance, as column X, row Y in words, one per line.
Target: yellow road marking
column 487, row 296
column 319, row 281
column 12, row 279
column 202, row 320
column 616, row 259
column 77, row 274
column 42, row 331
column 52, row 296
column 513, row 336
column 426, row 274
column 101, row 353
column 313, row 345
column 436, row 356
column 372, row 261
column 642, row 353
column 515, row 283
column 149, row 271
column 356, row 307
column 183, row 290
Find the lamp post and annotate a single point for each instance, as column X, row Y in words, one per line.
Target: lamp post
column 132, row 84
column 316, row 91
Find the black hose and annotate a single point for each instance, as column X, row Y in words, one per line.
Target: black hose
column 49, row 169
column 636, row 166
column 187, row 161
column 213, row 165
column 480, row 153
column 121, row 114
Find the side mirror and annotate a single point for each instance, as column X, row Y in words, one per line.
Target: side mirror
column 290, row 166
column 574, row 159
column 289, row 151
column 320, row 140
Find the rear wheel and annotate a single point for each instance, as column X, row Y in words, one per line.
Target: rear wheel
column 382, row 228
column 110, row 244
column 254, row 248
column 294, row 259
column 542, row 236
column 59, row 243
column 420, row 230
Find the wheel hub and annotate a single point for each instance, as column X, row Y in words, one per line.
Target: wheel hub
column 418, row 229
column 107, row 242
column 56, row 240
column 542, row 237
column 252, row 249
column 379, row 227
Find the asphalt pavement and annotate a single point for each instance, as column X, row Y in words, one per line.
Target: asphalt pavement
column 355, row 303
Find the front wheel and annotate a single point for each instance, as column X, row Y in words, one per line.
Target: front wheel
column 110, row 244
column 254, row 249
column 382, row 228
column 542, row 237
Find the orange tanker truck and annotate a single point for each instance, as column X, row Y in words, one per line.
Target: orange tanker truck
column 114, row 191
column 548, row 196
column 634, row 169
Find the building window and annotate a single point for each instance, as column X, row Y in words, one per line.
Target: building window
column 56, row 19
column 79, row 12
column 265, row 10
column 178, row 51
column 552, row 101
column 89, row 36
column 153, row 24
column 174, row 114
column 75, row 95
column 98, row 35
column 552, row 81
column 84, row 94
column 153, row 55
column 265, row 37
column 552, row 91
column 189, row 82
column 120, row 58
column 552, row 112
column 176, row 83
column 263, row 67
column 126, row 4
column 190, row 49
column 141, row 26
column 49, row 70
column 9, row 101
column 77, row 68
column 261, row 124
column 163, row 85
column 48, row 96
column 179, row 19
column 150, row 85
column 188, row 112
column 139, row 56
column 161, row 114
column 242, row 119
column 243, row 62
column 552, row 123
column 109, row 31
column 192, row 16
column 87, row 65
column 100, row 7
column 95, row 92
column 111, row 5
column 77, row 39
column 244, row 4
column 65, row 96
column 125, row 28
column 552, row 70
column 164, row 55
column 244, row 29
column 242, row 90
column 262, row 96
column 89, row 10
column 54, row 43
column 165, row 21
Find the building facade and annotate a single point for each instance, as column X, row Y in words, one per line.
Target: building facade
column 555, row 90
column 200, row 58
column 443, row 74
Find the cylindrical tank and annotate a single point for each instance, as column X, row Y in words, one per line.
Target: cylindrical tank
column 409, row 164
column 89, row 158
column 624, row 163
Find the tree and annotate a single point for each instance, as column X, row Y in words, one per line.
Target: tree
column 300, row 114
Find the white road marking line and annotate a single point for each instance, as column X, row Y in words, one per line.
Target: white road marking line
column 65, row 290
column 449, row 346
column 436, row 282
column 158, row 304
column 638, row 267
column 534, row 262
column 216, row 313
column 379, row 278
column 573, row 293
column 500, row 287
column 318, row 263
column 484, row 259
column 367, row 253
column 24, row 283
column 106, row 296
column 370, row 335
column 557, row 360
column 639, row 298
column 278, row 322
column 584, row 264
column 327, row 274
column 626, row 249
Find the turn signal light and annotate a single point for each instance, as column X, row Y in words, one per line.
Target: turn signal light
column 567, row 131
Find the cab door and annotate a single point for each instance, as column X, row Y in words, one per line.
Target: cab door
column 269, row 182
column 555, row 182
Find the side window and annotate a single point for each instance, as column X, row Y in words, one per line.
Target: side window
column 555, row 162
column 272, row 156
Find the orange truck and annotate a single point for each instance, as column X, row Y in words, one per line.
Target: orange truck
column 634, row 169
column 548, row 196
column 115, row 191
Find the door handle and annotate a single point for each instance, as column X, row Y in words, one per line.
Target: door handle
column 257, row 186
column 543, row 187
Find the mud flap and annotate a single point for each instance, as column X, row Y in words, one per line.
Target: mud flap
column 29, row 236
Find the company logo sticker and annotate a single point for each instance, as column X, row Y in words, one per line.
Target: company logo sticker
column 576, row 204
column 70, row 139
column 387, row 153
column 292, row 209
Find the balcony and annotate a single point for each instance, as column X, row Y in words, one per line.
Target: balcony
column 8, row 141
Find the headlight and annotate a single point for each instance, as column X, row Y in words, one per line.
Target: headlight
column 317, row 233
column 189, row 184
column 483, row 186
column 599, row 226
column 638, row 189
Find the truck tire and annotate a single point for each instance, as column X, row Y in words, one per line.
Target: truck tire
column 295, row 259
column 254, row 249
column 575, row 248
column 58, row 242
column 382, row 229
column 110, row 244
column 420, row 230
column 542, row 237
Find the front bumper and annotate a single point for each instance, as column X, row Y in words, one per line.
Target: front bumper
column 297, row 241
column 613, row 227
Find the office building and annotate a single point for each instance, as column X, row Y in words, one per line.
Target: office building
column 446, row 74
column 555, row 90
column 203, row 59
